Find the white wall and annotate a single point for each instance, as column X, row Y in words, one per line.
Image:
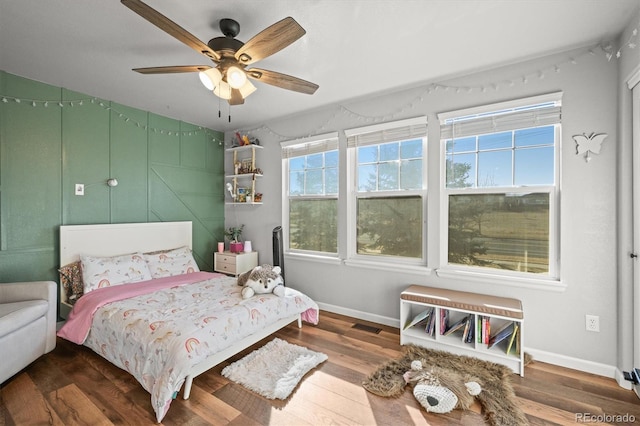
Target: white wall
column 555, row 321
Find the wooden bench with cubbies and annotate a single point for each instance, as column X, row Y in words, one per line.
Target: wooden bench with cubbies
column 464, row 323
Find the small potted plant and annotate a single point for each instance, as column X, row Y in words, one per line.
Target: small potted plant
column 234, row 233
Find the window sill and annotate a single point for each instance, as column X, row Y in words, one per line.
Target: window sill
column 549, row 284
column 313, row 257
column 389, row 266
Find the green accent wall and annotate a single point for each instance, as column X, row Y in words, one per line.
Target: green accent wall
column 167, row 170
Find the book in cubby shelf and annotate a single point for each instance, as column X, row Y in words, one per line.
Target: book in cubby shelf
column 466, row 325
column 509, row 330
column 420, row 318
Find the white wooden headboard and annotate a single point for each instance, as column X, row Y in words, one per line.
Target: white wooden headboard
column 121, row 238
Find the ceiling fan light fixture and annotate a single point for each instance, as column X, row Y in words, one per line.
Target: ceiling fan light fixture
column 223, row 90
column 236, row 77
column 210, row 78
column 247, row 89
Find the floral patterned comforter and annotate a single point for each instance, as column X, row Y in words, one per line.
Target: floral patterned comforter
column 159, row 336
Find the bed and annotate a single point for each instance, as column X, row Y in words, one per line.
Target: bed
column 168, row 329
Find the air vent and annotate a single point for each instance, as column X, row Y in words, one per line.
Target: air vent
column 366, row 328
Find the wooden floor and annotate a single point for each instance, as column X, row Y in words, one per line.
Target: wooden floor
column 72, row 385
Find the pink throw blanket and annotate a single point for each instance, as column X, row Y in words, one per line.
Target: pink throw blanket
column 77, row 326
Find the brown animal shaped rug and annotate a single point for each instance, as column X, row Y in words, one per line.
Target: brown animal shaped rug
column 497, row 399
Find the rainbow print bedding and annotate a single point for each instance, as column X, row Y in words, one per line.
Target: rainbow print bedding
column 158, row 329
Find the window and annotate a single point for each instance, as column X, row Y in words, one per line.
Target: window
column 501, row 186
column 388, row 199
column 311, row 179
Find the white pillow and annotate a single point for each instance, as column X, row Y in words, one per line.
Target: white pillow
column 100, row 272
column 171, row 262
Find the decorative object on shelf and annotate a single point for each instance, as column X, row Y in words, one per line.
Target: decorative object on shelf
column 230, row 189
column 221, row 247
column 257, row 198
column 234, row 233
column 589, row 144
column 247, row 246
column 235, row 247
column 242, row 195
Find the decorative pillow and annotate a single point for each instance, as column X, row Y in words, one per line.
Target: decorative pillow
column 71, row 280
column 171, row 262
column 100, row 272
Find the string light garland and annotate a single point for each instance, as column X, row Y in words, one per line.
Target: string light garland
column 433, row 88
column 342, row 110
column 106, row 106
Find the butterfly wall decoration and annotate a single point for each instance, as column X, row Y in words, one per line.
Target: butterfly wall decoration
column 589, row 144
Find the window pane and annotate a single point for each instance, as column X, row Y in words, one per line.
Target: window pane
column 411, row 149
column 296, row 183
column 390, row 226
column 411, row 174
column 389, row 151
column 367, row 154
column 314, row 161
column 313, row 184
column 534, row 166
column 494, row 141
column 367, row 178
column 296, row 163
column 331, row 159
column 331, row 182
column 500, row 231
column 535, row 136
column 461, row 171
column 388, row 176
column 461, row 145
column 494, row 169
column 313, row 225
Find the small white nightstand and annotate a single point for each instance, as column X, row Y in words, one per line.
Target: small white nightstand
column 234, row 263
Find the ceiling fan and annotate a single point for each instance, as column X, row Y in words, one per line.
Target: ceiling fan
column 229, row 78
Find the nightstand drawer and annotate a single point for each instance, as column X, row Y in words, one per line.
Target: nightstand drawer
column 225, row 267
column 225, row 258
column 234, row 263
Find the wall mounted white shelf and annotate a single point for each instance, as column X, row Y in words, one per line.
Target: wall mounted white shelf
column 244, row 173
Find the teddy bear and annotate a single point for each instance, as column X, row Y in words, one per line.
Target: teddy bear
column 441, row 390
column 261, row 280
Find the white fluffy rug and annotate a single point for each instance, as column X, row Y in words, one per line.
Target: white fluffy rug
column 275, row 369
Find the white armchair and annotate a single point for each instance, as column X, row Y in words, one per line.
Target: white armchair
column 28, row 314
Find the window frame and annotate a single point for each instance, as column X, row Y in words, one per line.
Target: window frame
column 395, row 131
column 447, row 269
column 303, row 147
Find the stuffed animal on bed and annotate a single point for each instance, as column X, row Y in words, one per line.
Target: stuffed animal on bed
column 441, row 390
column 261, row 280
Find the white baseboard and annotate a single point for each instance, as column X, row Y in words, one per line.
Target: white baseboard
column 379, row 319
column 542, row 356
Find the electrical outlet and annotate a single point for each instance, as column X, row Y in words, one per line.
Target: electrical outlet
column 79, row 189
column 592, row 323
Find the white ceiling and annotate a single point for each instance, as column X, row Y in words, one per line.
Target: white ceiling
column 352, row 47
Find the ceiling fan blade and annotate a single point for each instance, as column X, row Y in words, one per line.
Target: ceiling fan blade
column 172, row 69
column 283, row 81
column 270, row 40
column 171, row 28
column 236, row 98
